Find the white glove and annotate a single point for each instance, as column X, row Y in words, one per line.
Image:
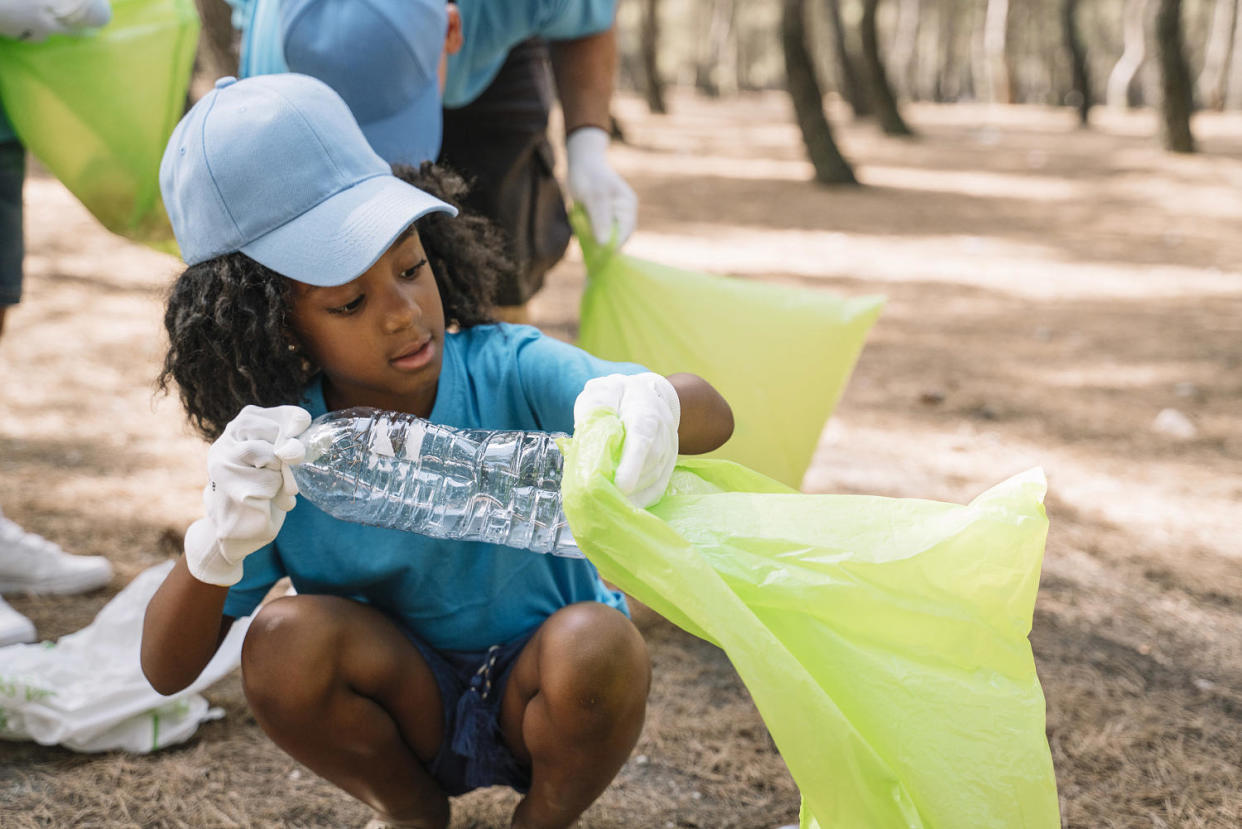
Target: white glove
column 36, row 19
column 609, row 202
column 650, row 411
column 249, row 491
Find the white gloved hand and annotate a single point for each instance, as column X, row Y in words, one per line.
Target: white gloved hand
column 249, row 491
column 36, row 19
column 651, row 412
column 609, row 202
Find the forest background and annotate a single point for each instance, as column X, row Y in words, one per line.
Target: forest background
column 1059, row 295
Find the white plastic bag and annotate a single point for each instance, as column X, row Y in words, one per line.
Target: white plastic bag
column 86, row 691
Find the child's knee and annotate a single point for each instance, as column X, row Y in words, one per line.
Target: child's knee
column 594, row 664
column 289, row 654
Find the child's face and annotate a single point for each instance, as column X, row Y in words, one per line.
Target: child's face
column 379, row 339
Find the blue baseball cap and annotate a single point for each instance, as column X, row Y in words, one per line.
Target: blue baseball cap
column 383, row 58
column 275, row 166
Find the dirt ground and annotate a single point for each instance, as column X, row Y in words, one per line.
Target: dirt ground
column 1051, row 291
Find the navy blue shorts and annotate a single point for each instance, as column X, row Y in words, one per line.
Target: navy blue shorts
column 12, row 173
column 473, row 754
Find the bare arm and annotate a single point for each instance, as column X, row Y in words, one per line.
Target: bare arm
column 706, row 419
column 184, row 626
column 185, row 619
column 585, row 69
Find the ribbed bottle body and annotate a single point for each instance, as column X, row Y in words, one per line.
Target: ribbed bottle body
column 396, row 470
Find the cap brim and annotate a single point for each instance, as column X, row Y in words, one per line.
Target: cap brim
column 412, row 135
column 338, row 239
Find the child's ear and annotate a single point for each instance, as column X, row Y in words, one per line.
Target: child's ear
column 453, row 37
column 297, row 348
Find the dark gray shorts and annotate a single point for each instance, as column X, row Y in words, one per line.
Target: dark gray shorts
column 12, row 174
column 499, row 143
column 473, row 754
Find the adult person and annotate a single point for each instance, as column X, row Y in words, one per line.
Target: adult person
column 470, row 83
column 28, row 562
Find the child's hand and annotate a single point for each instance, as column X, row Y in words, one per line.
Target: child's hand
column 650, row 411
column 249, row 491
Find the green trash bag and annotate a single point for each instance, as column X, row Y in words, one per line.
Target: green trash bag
column 882, row 640
column 98, row 108
column 780, row 355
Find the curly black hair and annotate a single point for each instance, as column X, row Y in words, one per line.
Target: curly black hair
column 231, row 342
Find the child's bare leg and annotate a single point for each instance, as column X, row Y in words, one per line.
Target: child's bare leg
column 338, row 686
column 574, row 708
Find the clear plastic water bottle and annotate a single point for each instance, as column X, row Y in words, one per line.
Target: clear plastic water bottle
column 396, row 470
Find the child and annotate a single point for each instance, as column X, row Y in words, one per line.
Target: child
column 406, row 669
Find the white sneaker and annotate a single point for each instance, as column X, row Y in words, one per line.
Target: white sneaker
column 15, row 629
column 31, row 564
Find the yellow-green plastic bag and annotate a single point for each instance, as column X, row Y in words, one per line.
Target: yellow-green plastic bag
column 780, row 355
column 883, row 640
column 97, row 108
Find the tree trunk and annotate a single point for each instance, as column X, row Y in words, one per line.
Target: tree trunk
column 928, row 58
column 1233, row 86
column 1177, row 90
column 852, row 90
column 653, row 84
column 996, row 52
column 901, row 61
column 929, row 55
column 1080, row 83
column 1053, row 79
column 1211, row 83
column 949, row 74
column 1121, row 81
column 711, row 66
column 877, row 81
column 808, row 101
column 975, row 79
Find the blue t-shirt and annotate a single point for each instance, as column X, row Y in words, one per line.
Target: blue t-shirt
column 490, row 29
column 456, row 596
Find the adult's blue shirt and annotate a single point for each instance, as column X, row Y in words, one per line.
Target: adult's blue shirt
column 490, row 29
column 455, row 595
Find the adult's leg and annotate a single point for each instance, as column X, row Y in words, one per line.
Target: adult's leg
column 573, row 709
column 12, row 249
column 499, row 143
column 28, row 562
column 340, row 688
